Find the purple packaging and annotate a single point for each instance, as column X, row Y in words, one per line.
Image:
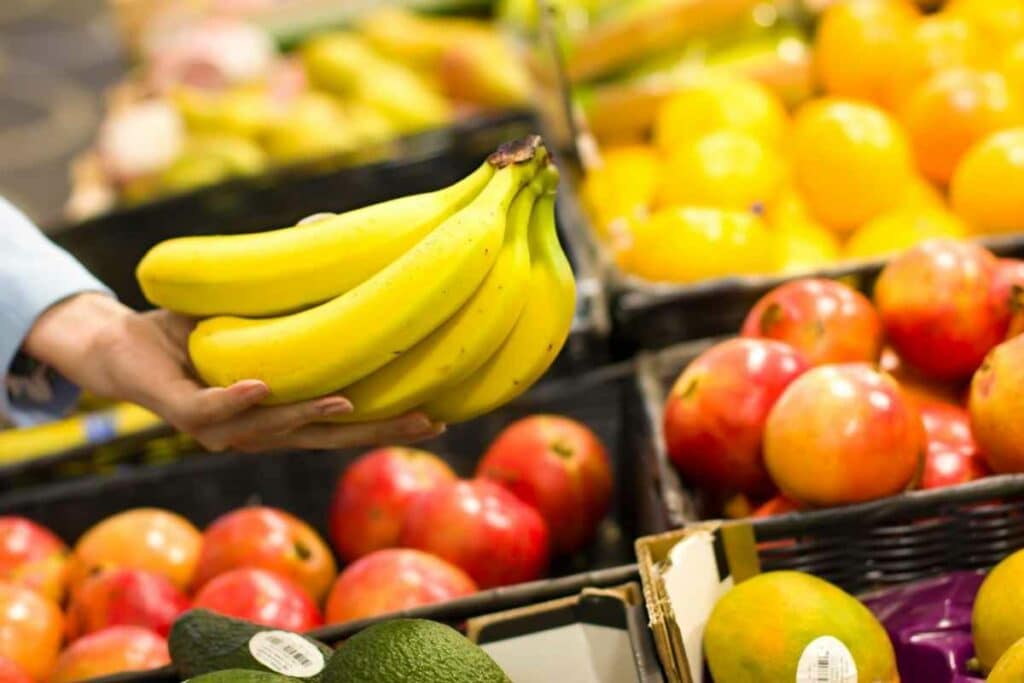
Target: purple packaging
column 929, row 623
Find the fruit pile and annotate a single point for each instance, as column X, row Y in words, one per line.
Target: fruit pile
column 217, row 100
column 918, row 133
column 452, row 302
column 410, row 531
column 827, row 400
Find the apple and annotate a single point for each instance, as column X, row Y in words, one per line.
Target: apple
column 267, row 538
column 12, row 673
column 558, row 466
column 940, row 307
column 371, row 497
column 1010, row 292
column 953, row 456
column 825, row 320
column 479, row 526
column 996, row 405
column 113, row 650
column 262, row 597
column 122, row 596
column 145, row 538
column 843, row 434
column 779, row 505
column 32, row 556
column 394, row 580
column 716, row 412
column 31, row 630
column 920, row 389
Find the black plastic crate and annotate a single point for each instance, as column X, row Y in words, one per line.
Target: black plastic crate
column 203, row 488
column 112, row 244
column 884, row 542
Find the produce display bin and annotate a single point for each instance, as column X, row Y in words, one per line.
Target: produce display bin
column 889, row 541
column 112, row 244
column 203, row 488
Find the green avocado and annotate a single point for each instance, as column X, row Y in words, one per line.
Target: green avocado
column 203, row 642
column 411, row 651
column 241, row 676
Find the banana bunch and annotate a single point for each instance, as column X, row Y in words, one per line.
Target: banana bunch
column 451, row 302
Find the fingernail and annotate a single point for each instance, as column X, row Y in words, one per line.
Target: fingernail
column 315, row 218
column 420, row 424
column 334, row 406
column 253, row 389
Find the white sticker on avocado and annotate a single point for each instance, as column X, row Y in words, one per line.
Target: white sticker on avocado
column 286, row 653
column 826, row 660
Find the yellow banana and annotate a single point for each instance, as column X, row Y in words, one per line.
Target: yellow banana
column 28, row 443
column 323, row 349
column 274, row 272
column 462, row 344
column 535, row 340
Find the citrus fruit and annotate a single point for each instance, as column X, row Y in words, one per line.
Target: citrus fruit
column 803, row 245
column 850, row 161
column 1013, row 66
column 727, row 169
column 715, row 103
column 937, row 42
column 623, row 186
column 1010, row 667
column 857, row 44
column 901, row 229
column 988, row 185
column 951, row 111
column 689, row 243
column 1000, row 21
column 997, row 620
column 921, row 193
column 799, row 619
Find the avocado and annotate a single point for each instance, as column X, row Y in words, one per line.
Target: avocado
column 411, row 651
column 241, row 676
column 201, row 642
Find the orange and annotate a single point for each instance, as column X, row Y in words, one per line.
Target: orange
column 937, row 42
column 857, row 44
column 1013, row 66
column 623, row 186
column 715, row 103
column 922, row 193
column 902, row 228
column 988, row 186
column 727, row 169
column 851, row 161
column 689, row 244
column 31, row 630
column 1001, row 22
column 803, row 246
column 951, row 111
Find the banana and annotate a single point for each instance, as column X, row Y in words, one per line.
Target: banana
column 323, row 349
column 274, row 272
column 535, row 340
column 462, row 344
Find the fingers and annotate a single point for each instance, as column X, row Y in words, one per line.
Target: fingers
column 258, row 424
column 192, row 409
column 406, row 429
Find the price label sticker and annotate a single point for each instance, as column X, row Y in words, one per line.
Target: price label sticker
column 826, row 660
column 287, row 654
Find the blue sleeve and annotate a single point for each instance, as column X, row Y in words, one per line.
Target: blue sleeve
column 34, row 275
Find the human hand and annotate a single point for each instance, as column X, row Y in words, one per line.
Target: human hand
column 114, row 352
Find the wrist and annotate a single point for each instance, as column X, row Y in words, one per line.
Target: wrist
column 69, row 335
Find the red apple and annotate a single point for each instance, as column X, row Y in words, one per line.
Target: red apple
column 477, row 525
column 940, row 307
column 124, row 597
column 825, row 320
column 558, row 466
column 113, row 650
column 1010, row 293
column 716, row 412
column 270, row 539
column 12, row 673
column 32, row 556
column 843, row 434
column 997, row 407
column 31, row 629
column 262, row 597
column 372, row 496
column 779, row 505
column 915, row 386
column 953, row 456
column 393, row 580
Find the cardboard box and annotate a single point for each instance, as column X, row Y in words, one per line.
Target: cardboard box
column 598, row 636
column 684, row 573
